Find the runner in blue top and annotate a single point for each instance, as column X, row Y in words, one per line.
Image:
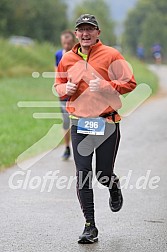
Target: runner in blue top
column 67, row 42
column 140, row 52
column 156, row 51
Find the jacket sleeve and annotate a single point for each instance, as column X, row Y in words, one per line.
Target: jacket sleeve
column 121, row 76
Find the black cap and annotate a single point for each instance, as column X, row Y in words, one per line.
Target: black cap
column 86, row 19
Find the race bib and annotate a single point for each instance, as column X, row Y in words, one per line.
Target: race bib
column 91, row 126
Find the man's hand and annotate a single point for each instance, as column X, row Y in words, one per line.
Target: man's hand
column 94, row 85
column 70, row 87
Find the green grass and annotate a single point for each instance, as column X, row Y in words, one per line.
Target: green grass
column 143, row 74
column 19, row 130
column 147, row 86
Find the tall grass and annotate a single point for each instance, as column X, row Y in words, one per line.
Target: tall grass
column 21, row 61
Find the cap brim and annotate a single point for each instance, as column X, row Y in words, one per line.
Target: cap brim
column 86, row 23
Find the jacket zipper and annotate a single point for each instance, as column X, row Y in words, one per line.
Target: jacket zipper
column 88, row 58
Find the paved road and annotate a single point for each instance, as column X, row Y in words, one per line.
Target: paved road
column 31, row 220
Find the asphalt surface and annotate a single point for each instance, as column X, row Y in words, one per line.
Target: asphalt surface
column 31, row 220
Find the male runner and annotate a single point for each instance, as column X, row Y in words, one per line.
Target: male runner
column 67, row 42
column 93, row 76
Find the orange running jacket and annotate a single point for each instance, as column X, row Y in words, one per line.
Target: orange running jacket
column 116, row 78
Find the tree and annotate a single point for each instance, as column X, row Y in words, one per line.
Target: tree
column 5, row 10
column 146, row 24
column 42, row 20
column 100, row 9
column 157, row 32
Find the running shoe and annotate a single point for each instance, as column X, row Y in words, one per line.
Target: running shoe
column 89, row 234
column 116, row 198
column 67, row 153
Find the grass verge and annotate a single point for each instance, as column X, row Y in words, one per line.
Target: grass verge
column 19, row 130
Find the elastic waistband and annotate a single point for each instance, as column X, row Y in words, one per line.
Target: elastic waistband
column 75, row 121
column 112, row 114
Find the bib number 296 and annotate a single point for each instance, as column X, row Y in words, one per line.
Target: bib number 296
column 91, row 126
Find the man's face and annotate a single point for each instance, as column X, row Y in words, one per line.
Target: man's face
column 67, row 41
column 87, row 35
